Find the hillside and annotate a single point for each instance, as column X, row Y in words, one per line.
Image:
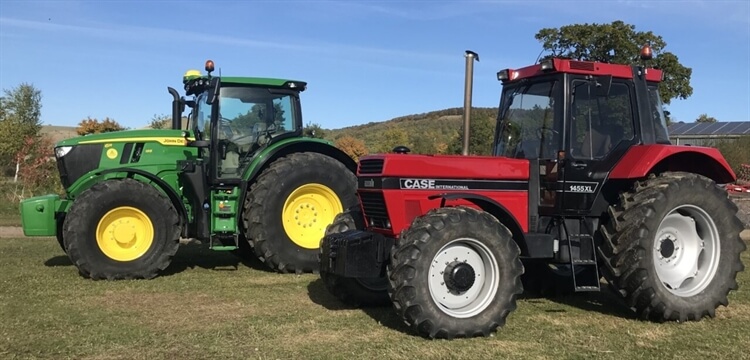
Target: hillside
column 435, row 132
column 58, row 133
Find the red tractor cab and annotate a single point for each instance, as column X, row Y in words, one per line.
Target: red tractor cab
column 583, row 183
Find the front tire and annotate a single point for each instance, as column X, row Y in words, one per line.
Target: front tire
column 121, row 229
column 455, row 273
column 354, row 291
column 287, row 210
column 672, row 247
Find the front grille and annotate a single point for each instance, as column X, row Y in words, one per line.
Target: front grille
column 373, row 204
column 78, row 161
column 371, row 166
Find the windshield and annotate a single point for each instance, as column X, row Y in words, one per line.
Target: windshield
column 527, row 128
column 249, row 119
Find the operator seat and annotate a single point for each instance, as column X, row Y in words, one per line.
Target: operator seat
column 596, row 143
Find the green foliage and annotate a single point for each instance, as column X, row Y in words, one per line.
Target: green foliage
column 704, row 118
column 255, row 115
column 94, row 126
column 20, row 112
column 314, row 130
column 735, row 151
column 481, row 134
column 161, row 122
column 619, row 43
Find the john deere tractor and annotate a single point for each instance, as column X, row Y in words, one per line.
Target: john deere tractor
column 240, row 177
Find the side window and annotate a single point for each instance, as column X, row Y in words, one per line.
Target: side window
column 599, row 123
column 282, row 111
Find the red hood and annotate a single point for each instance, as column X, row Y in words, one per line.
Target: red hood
column 449, row 166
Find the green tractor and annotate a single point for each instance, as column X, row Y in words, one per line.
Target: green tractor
column 240, row 177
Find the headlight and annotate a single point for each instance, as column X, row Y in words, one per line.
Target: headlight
column 62, row 151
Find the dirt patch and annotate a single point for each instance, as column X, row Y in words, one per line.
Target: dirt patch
column 11, row 232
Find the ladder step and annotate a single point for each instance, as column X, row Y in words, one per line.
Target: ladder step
column 584, row 262
column 224, row 248
column 586, row 288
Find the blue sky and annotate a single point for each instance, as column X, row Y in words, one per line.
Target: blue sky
column 364, row 61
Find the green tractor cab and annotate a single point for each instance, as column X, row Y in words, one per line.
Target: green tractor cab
column 238, row 175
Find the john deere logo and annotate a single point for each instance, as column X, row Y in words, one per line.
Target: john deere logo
column 112, row 153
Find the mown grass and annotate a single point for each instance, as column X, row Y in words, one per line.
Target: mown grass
column 9, row 214
column 210, row 306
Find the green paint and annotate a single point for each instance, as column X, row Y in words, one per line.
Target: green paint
column 38, row 215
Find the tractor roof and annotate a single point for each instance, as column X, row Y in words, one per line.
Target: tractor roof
column 556, row 65
column 265, row 82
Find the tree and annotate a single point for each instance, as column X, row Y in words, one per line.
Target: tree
column 161, row 122
column 314, row 130
column 704, row 118
column 94, row 126
column 353, row 147
column 481, row 135
column 393, row 136
column 20, row 118
column 619, row 43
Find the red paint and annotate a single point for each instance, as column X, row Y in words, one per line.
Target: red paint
column 584, row 68
column 639, row 161
column 453, row 167
column 404, row 205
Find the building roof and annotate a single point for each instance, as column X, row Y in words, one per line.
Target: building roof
column 710, row 129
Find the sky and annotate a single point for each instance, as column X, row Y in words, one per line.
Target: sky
column 364, row 61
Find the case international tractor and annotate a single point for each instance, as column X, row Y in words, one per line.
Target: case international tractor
column 584, row 183
column 240, row 177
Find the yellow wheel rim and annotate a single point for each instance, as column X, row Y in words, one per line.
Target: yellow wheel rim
column 124, row 233
column 306, row 213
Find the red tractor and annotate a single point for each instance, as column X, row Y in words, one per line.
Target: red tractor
column 583, row 184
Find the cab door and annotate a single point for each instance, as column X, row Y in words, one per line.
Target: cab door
column 601, row 129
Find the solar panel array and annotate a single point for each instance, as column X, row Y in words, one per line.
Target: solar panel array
column 717, row 128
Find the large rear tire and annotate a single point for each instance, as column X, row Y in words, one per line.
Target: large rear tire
column 672, row 247
column 287, row 210
column 354, row 291
column 455, row 273
column 121, row 229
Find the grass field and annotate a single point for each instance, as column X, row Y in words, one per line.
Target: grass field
column 209, row 306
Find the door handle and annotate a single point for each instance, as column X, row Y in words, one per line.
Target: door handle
column 578, row 164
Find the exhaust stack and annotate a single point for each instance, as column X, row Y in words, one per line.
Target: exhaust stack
column 176, row 109
column 470, row 57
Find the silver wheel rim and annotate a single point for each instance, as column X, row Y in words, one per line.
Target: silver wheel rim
column 686, row 250
column 468, row 303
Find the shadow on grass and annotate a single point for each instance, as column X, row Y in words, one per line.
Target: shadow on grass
column 192, row 255
column 60, row 260
column 605, row 302
column 384, row 315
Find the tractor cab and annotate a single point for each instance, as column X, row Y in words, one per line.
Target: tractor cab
column 234, row 117
column 577, row 119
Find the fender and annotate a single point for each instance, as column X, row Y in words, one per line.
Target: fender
column 171, row 193
column 294, row 145
column 497, row 210
column 641, row 160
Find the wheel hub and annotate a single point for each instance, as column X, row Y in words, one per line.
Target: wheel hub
column 459, row 276
column 124, row 233
column 686, row 250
